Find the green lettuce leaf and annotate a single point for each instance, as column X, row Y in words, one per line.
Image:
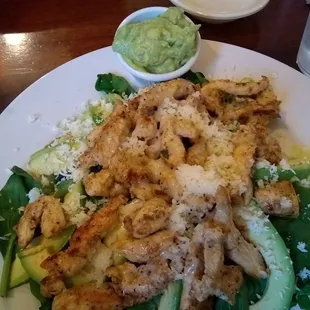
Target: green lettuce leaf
column 195, row 77
column 112, row 83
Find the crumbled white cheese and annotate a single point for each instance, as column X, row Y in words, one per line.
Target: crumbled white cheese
column 305, row 183
column 301, row 246
column 286, row 166
column 296, row 307
column 44, row 181
column 196, row 180
column 304, row 274
column 21, row 210
column 285, row 203
column 260, row 183
column 34, row 194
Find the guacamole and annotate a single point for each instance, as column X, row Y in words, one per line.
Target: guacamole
column 158, row 45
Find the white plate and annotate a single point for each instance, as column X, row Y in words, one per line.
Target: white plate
column 220, row 11
column 58, row 94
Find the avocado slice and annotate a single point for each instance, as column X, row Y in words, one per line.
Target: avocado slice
column 171, row 298
column 18, row 275
column 31, row 263
column 31, row 258
column 281, row 281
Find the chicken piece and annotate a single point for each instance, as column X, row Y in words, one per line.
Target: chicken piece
column 149, row 101
column 237, row 248
column 173, row 150
column 197, row 153
column 53, row 219
column 139, row 284
column 229, row 283
column 267, row 98
column 195, row 100
column 108, row 142
column 146, row 128
column 240, row 89
column 243, row 154
column 97, row 133
column 267, row 146
column 159, row 171
column 243, row 112
column 203, row 264
column 48, row 212
column 185, row 128
column 83, row 244
column 88, row 297
column 146, row 191
column 154, row 147
column 141, row 250
column 129, row 211
column 127, row 168
column 118, row 189
column 278, row 199
column 213, row 100
column 98, row 184
column 153, row 216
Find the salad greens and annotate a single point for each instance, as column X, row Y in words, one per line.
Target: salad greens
column 195, row 77
column 295, row 232
column 46, row 304
column 112, row 83
column 13, row 197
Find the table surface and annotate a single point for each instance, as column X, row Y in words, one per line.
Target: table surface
column 37, row 36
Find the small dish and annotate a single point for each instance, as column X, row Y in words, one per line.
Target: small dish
column 149, row 13
column 220, row 11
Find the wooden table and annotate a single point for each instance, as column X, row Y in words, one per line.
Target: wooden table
column 37, row 36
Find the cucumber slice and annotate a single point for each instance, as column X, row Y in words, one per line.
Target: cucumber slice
column 172, row 296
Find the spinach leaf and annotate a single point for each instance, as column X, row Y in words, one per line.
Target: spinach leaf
column 13, row 196
column 62, row 188
column 28, row 180
column 112, row 83
column 46, row 304
column 195, row 77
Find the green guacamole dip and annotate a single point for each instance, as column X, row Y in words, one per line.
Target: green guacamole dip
column 158, row 45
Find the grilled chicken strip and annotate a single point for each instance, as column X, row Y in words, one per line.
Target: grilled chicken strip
column 278, row 199
column 149, row 101
column 237, row 248
column 88, row 297
column 141, row 250
column 105, row 139
column 83, row 244
column 45, row 211
column 159, row 171
column 98, row 184
column 127, row 168
column 139, row 284
column 240, row 89
column 153, row 216
column 146, row 191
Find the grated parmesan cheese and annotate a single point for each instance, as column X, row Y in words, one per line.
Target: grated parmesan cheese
column 304, row 274
column 196, row 180
column 34, row 194
column 301, row 246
